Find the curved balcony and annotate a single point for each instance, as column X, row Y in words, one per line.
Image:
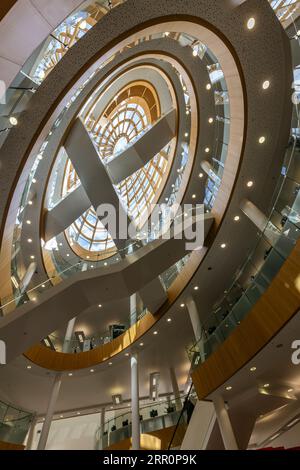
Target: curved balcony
column 158, row 422
column 264, row 294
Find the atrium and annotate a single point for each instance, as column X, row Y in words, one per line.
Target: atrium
column 149, row 225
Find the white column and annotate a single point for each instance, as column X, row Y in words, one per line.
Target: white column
column 102, row 426
column 50, row 411
column 196, row 324
column 259, row 219
column 175, row 388
column 133, row 308
column 135, row 412
column 68, row 336
column 225, row 426
column 31, row 434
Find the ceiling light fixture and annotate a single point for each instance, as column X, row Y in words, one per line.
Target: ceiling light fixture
column 237, row 218
column 29, row 240
column 253, row 369
column 200, row 175
column 208, row 86
column 228, row 388
column 13, row 121
column 207, row 150
column 196, row 288
column 250, row 184
column 262, row 140
column 169, row 320
column 223, row 245
column 182, row 305
column 266, row 84
column 211, row 120
column 251, row 23
column 266, row 385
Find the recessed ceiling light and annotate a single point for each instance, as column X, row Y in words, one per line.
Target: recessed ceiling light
column 169, row 320
column 105, row 264
column 70, row 374
column 182, row 305
column 155, row 332
column 32, row 257
column 194, row 196
column 207, row 150
column 223, row 245
column 251, row 23
column 92, row 266
column 78, row 413
column 68, row 255
column 187, row 112
column 196, row 288
column 60, row 244
column 201, row 175
column 266, row 85
column 211, row 120
column 228, row 388
column 208, row 86
column 34, row 299
column 266, row 385
column 92, row 370
column 253, row 369
column 28, row 222
column 290, row 390
column 13, row 120
column 186, row 134
column 100, row 305
column 33, row 180
column 87, row 257
column 29, row 367
column 29, row 240
column 61, row 416
column 30, row 203
column 262, row 140
column 110, row 363
column 236, row 218
column 141, row 344
column 250, row 184
column 126, row 354
column 43, row 286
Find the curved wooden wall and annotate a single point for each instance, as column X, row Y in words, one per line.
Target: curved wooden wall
column 273, row 310
column 156, row 440
column 49, row 359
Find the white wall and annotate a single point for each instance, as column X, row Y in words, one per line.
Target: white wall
column 289, row 439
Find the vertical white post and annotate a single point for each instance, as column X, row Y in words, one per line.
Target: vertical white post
column 50, row 411
column 225, row 426
column 196, row 325
column 133, row 308
column 31, row 434
column 68, row 335
column 135, row 419
column 175, row 388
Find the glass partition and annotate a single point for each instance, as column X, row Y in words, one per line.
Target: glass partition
column 14, row 423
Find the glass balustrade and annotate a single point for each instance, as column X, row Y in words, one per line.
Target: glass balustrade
column 160, row 414
column 274, row 246
column 80, row 342
column 14, row 423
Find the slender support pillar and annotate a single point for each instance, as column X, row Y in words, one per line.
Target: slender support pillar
column 133, row 309
column 259, row 219
column 31, row 434
column 136, row 432
column 102, row 426
column 175, row 388
column 68, row 336
column 225, row 426
column 50, row 411
column 196, row 324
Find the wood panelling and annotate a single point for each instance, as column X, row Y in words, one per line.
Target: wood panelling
column 272, row 311
column 5, row 6
column 49, row 359
column 10, row 446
